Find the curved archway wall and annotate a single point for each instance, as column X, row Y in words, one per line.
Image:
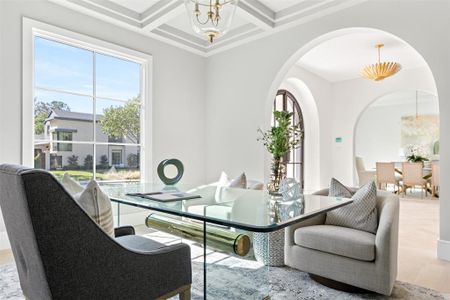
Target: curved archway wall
column 243, row 80
column 310, row 113
column 362, row 127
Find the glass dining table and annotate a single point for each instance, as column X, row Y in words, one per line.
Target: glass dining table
column 222, row 211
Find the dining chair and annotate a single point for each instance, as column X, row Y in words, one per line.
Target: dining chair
column 434, row 178
column 386, row 175
column 364, row 175
column 413, row 177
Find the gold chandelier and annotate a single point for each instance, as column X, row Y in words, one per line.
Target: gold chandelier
column 211, row 18
column 380, row 70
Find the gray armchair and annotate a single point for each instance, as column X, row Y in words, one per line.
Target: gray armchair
column 353, row 257
column 61, row 253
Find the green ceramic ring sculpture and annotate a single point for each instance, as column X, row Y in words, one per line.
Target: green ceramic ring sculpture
column 180, row 170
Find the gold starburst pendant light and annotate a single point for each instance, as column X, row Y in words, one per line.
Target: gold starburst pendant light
column 380, row 70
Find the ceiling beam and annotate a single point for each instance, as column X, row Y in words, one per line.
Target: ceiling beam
column 301, row 8
column 193, row 39
column 254, row 16
column 161, row 13
column 116, row 8
column 92, row 8
column 261, row 8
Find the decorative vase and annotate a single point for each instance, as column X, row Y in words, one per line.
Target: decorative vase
column 278, row 173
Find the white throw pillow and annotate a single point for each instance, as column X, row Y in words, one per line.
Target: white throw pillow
column 71, row 185
column 223, row 180
column 361, row 214
column 238, row 182
column 255, row 185
column 93, row 200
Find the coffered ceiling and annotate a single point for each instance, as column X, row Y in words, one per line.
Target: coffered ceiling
column 167, row 20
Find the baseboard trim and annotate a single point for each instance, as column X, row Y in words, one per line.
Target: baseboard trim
column 443, row 249
column 4, row 241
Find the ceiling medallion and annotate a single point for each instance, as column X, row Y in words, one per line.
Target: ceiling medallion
column 380, row 70
column 211, row 18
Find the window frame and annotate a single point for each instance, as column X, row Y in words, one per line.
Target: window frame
column 295, row 108
column 32, row 28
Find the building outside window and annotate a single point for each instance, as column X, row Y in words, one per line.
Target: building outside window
column 62, row 136
column 116, row 157
column 85, row 100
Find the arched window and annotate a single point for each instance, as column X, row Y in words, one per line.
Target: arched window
column 285, row 101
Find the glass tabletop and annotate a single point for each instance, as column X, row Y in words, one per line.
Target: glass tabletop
column 252, row 210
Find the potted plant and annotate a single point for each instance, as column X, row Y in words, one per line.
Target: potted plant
column 416, row 158
column 280, row 140
column 417, row 153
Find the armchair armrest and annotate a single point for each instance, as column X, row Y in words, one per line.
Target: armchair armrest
column 156, row 271
column 289, row 231
column 386, row 241
column 316, row 220
column 124, row 230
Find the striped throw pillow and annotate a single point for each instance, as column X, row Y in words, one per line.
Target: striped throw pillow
column 94, row 201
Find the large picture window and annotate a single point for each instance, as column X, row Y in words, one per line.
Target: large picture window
column 85, row 101
column 294, row 160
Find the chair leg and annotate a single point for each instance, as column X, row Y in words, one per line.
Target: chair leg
column 186, row 294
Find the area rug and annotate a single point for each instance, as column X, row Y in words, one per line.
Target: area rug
column 230, row 277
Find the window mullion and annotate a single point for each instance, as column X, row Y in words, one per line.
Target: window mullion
column 94, row 111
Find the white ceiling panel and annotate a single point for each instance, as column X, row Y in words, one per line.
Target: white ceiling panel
column 138, row 6
column 342, row 58
column 279, row 5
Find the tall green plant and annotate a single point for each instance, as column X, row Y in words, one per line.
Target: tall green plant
column 283, row 137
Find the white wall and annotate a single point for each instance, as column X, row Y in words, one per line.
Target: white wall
column 378, row 131
column 178, row 85
column 243, row 81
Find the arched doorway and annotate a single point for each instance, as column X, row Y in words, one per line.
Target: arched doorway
column 338, row 117
column 294, row 160
column 410, row 124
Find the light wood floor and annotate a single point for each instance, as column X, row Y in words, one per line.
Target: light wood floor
column 419, row 232
column 418, row 264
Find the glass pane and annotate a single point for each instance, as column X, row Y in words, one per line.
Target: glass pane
column 60, row 66
column 119, row 122
column 75, row 159
column 118, row 163
column 62, row 116
column 117, row 78
column 290, row 170
column 289, row 107
column 279, row 103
